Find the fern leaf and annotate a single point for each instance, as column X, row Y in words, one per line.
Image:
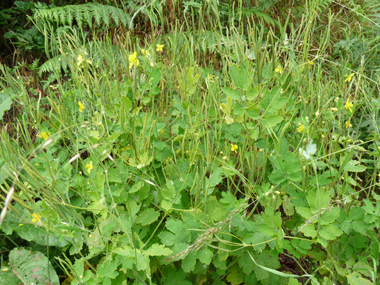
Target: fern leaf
column 106, row 18
column 96, row 13
column 115, row 15
column 87, row 14
column 78, row 15
column 70, row 16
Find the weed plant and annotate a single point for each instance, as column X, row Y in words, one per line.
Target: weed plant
column 233, row 150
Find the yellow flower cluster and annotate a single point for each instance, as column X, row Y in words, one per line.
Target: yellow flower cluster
column 279, row 70
column 89, row 167
column 234, row 147
column 301, row 128
column 349, row 105
column 81, row 106
column 36, row 218
column 44, row 135
column 159, row 47
column 81, row 59
column 349, row 77
column 133, row 60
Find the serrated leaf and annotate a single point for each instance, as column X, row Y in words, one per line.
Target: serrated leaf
column 147, row 217
column 330, row 232
column 239, row 110
column 271, row 121
column 188, row 263
column 309, row 231
column 136, row 187
column 232, row 93
column 215, row 209
column 353, row 167
column 169, row 192
column 240, row 76
column 177, row 233
column 205, row 255
column 235, row 278
column 330, row 216
column 157, row 250
column 252, row 93
column 356, row 279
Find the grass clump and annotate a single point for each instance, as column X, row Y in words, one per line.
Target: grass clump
column 243, row 154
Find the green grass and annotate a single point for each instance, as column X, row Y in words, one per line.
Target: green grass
column 244, row 152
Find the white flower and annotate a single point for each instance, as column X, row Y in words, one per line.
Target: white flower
column 310, row 150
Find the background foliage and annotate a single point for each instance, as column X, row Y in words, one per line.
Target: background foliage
column 201, row 142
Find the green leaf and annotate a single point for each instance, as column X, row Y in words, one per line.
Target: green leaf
column 240, row 77
column 169, row 192
column 157, row 250
column 256, row 239
column 239, row 110
column 271, row 222
column 330, row 232
column 5, row 104
column 126, row 104
column 271, row 121
column 277, row 104
column 216, row 177
column 355, row 279
column 136, row 187
column 330, row 216
column 232, row 93
column 253, row 113
column 40, row 236
column 28, row 265
column 353, row 167
column 252, row 93
column 235, row 278
column 309, row 231
column 188, row 263
column 215, row 209
column 147, row 217
column 178, row 233
column 8, row 277
column 205, row 255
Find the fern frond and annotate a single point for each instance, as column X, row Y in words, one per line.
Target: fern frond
column 83, row 13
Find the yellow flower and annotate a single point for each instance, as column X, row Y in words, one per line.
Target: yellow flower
column 225, row 157
column 348, row 125
column 311, row 63
column 36, row 218
column 161, row 131
column 234, row 147
column 300, row 128
column 159, row 47
column 349, row 105
column 80, row 59
column 44, row 135
column 145, row 52
column 89, row 167
column 349, row 77
column 81, row 106
column 278, row 70
column 133, row 60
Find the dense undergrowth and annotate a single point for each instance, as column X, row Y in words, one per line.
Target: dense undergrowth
column 190, row 142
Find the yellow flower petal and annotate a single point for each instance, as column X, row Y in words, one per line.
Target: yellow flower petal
column 81, row 106
column 89, row 167
column 301, row 128
column 159, row 47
